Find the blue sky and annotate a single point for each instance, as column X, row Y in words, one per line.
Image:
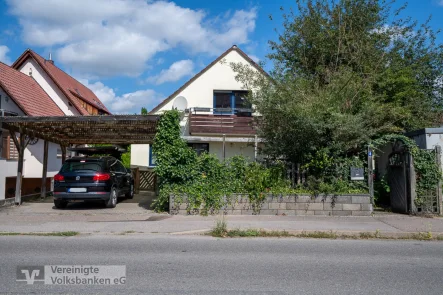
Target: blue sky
column 135, row 53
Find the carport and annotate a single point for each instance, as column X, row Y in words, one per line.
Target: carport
column 76, row 130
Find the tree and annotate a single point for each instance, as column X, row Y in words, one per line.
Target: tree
column 144, row 111
column 343, row 75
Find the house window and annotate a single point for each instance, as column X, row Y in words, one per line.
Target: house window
column 232, row 102
column 199, row 148
column 152, row 160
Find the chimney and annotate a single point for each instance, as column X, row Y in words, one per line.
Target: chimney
column 50, row 58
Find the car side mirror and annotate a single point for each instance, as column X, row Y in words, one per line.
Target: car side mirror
column 128, row 170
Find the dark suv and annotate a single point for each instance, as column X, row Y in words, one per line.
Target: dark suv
column 92, row 179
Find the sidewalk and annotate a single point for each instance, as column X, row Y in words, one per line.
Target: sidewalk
column 129, row 217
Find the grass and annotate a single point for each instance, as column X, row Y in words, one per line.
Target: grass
column 318, row 235
column 221, row 230
column 52, row 234
column 128, row 232
column 257, row 233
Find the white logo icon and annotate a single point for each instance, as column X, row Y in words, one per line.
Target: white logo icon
column 30, row 277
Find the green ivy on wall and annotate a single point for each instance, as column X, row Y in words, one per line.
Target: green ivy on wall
column 427, row 171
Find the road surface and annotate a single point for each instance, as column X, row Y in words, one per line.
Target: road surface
column 160, row 264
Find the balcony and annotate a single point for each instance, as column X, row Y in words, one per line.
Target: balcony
column 237, row 122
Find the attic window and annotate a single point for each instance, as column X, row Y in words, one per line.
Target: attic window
column 78, row 92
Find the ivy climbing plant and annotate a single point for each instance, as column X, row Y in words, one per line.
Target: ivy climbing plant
column 427, row 172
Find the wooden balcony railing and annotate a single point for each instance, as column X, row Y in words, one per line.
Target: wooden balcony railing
column 230, row 124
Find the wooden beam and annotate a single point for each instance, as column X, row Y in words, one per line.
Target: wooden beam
column 136, row 180
column 18, row 183
column 63, row 148
column 45, row 169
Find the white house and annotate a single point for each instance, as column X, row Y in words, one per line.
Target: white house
column 217, row 118
column 34, row 86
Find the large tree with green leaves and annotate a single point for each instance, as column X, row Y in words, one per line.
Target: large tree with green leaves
column 345, row 72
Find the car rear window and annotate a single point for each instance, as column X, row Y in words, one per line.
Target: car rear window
column 82, row 165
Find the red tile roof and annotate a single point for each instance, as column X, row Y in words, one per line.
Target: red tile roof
column 27, row 93
column 70, row 87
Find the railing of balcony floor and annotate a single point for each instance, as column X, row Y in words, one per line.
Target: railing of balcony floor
column 221, row 121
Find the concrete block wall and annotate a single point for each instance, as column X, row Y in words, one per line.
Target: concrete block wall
column 343, row 205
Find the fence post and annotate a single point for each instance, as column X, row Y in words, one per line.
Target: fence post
column 412, row 184
column 370, row 175
column 439, row 190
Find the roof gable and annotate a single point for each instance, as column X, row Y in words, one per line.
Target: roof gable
column 27, row 93
column 71, row 88
column 198, row 75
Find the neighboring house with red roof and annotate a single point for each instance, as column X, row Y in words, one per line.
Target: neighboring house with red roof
column 71, row 96
column 217, row 118
column 34, row 86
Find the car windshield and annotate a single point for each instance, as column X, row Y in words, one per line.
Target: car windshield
column 82, row 165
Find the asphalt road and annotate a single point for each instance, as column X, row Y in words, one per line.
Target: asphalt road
column 204, row 265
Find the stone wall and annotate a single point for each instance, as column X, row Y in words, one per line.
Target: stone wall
column 343, row 205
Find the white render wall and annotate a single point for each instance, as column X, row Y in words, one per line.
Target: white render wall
column 140, row 154
column 7, row 169
column 6, row 103
column 33, row 166
column 48, row 86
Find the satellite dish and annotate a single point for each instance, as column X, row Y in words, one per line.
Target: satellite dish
column 180, row 103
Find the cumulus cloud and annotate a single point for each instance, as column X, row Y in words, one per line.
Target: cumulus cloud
column 175, row 72
column 128, row 103
column 114, row 37
column 4, row 55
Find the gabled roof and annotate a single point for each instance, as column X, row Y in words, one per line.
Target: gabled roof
column 233, row 48
column 27, row 93
column 70, row 87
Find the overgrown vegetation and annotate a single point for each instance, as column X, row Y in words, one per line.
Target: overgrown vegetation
column 346, row 73
column 207, row 183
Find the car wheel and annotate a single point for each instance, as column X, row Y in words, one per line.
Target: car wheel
column 130, row 194
column 60, row 204
column 112, row 202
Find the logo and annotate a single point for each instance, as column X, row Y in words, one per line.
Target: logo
column 72, row 274
column 77, row 178
column 30, row 274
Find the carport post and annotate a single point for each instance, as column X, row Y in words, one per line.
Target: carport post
column 63, row 153
column 20, row 145
column 45, row 169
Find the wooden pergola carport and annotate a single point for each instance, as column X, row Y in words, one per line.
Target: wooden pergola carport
column 75, row 130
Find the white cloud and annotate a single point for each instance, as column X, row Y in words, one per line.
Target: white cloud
column 4, row 55
column 254, row 58
column 128, row 103
column 114, row 37
column 175, row 72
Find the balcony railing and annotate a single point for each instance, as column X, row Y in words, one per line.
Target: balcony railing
column 6, row 113
column 206, row 121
